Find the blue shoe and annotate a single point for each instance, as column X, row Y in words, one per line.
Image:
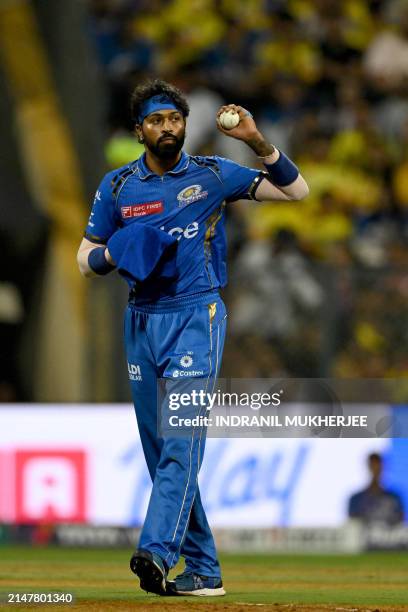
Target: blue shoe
column 151, row 570
column 189, row 583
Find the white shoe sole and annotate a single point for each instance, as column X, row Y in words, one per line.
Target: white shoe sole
column 204, row 592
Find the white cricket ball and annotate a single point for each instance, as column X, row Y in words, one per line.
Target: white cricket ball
column 229, row 119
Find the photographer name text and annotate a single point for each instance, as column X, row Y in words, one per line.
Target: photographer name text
column 273, row 420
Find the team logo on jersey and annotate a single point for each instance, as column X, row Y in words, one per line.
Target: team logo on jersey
column 191, row 194
column 141, row 210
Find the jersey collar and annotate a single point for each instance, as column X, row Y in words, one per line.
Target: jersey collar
column 145, row 172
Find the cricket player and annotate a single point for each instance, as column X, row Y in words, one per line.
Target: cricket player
column 160, row 220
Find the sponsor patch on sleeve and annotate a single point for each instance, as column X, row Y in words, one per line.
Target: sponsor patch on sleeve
column 141, row 210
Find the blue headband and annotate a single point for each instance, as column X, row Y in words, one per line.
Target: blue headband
column 156, row 103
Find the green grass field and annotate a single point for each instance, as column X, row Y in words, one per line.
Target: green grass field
column 101, row 580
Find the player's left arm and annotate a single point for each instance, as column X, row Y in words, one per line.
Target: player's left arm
column 100, row 251
column 281, row 179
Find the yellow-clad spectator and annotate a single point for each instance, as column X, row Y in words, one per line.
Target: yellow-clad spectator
column 400, row 184
column 183, row 30
column 285, row 53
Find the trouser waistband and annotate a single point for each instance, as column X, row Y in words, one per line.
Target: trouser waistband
column 177, row 303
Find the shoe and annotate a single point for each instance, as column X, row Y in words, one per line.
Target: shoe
column 189, row 583
column 151, row 570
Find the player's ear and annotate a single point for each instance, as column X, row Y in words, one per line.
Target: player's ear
column 139, row 133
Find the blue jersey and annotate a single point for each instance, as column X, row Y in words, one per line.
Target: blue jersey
column 376, row 506
column 187, row 202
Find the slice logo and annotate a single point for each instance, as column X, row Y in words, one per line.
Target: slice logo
column 142, row 210
column 191, row 194
column 191, row 231
column 135, row 372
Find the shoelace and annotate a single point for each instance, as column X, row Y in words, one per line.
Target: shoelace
column 197, row 580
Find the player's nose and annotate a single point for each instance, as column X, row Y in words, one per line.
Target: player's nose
column 167, row 126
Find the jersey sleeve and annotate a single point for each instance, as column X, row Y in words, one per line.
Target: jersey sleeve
column 239, row 181
column 354, row 506
column 102, row 220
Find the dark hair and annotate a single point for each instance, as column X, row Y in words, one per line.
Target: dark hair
column 148, row 89
column 374, row 457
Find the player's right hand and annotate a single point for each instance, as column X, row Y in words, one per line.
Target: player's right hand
column 246, row 129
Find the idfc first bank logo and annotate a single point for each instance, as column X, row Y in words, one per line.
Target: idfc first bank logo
column 48, row 486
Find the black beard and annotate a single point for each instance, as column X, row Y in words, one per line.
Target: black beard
column 167, row 149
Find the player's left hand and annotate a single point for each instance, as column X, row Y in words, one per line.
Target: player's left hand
column 246, row 129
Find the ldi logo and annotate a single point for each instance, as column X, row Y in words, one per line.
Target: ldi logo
column 134, row 372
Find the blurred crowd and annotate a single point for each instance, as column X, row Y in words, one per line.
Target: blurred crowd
column 318, row 287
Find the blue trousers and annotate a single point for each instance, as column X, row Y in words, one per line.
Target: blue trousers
column 184, row 340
